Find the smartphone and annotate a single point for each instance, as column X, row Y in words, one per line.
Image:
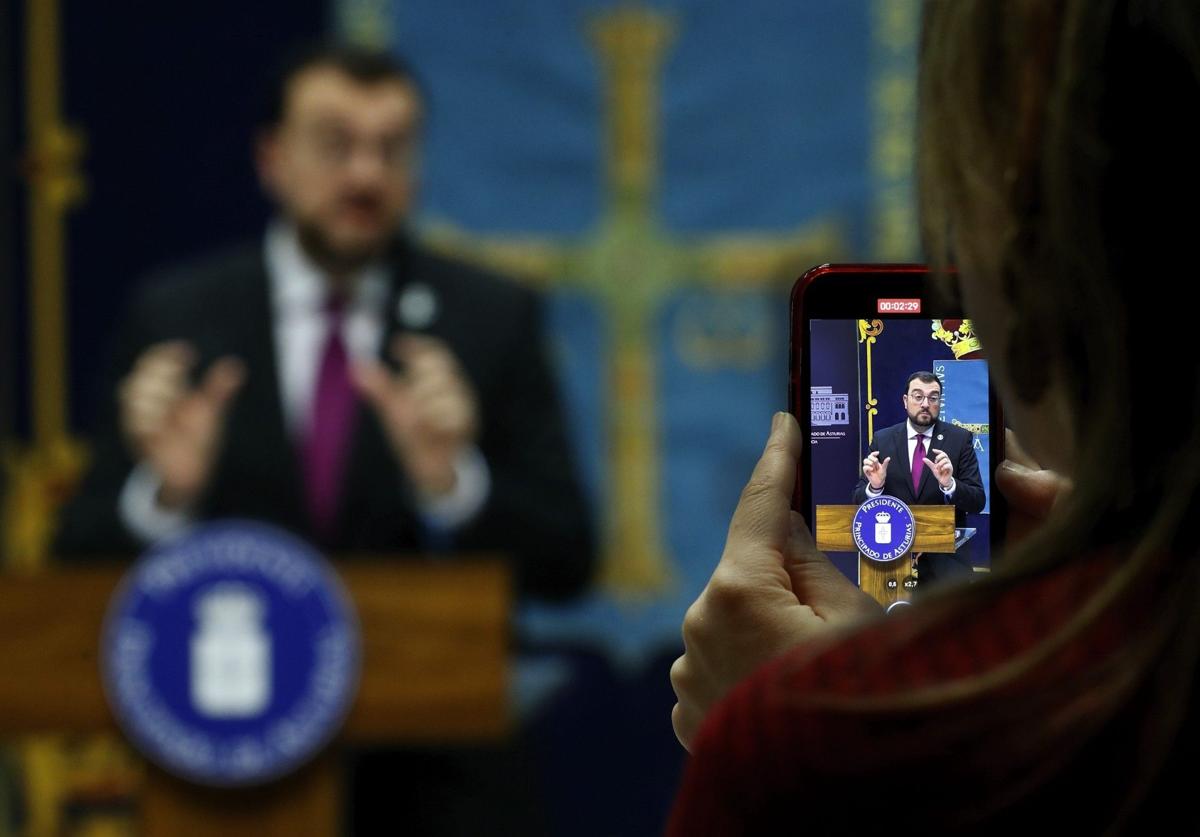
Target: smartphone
column 902, row 429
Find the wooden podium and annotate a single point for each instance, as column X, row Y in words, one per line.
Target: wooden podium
column 434, row 669
column 896, row 580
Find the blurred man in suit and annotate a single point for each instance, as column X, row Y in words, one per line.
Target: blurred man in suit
column 925, row 461
column 335, row 378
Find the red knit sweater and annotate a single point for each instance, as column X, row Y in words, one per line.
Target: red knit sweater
column 817, row 742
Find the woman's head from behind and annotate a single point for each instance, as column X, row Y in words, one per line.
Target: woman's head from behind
column 1059, row 156
column 1051, row 173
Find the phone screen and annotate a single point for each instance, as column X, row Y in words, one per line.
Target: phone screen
column 892, row 391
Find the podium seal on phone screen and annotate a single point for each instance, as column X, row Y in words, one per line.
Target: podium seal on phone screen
column 231, row 656
column 883, row 529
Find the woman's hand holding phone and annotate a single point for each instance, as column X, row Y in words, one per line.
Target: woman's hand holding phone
column 1030, row 489
column 772, row 590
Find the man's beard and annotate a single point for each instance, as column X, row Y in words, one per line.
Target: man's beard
column 923, row 419
column 334, row 259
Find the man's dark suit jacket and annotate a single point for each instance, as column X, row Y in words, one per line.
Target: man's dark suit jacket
column 968, row 495
column 536, row 512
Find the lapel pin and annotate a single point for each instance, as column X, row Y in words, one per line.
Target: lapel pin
column 417, row 307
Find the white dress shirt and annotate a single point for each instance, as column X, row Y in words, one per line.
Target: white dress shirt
column 297, row 294
column 913, row 433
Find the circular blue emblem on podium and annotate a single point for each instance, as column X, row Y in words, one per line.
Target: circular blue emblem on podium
column 231, row 656
column 883, row 528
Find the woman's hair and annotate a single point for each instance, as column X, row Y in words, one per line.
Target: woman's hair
column 1045, row 144
column 1044, row 138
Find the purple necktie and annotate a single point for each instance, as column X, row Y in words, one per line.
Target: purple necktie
column 333, row 408
column 918, row 463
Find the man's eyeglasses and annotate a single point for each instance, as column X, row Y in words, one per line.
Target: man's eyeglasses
column 921, row 398
column 334, row 149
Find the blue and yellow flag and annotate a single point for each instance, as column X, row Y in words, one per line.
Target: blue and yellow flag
column 663, row 171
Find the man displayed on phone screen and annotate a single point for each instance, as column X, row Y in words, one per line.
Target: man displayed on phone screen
column 925, row 461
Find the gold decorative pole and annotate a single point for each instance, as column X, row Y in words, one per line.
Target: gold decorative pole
column 39, row 477
column 868, row 333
